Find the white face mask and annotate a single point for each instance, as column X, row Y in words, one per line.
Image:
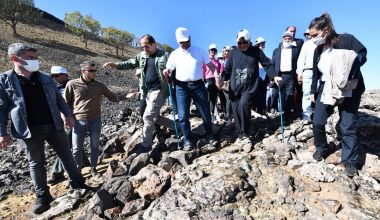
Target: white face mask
column 318, row 40
column 31, row 65
column 287, row 44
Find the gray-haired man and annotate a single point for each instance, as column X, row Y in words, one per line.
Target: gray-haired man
column 35, row 106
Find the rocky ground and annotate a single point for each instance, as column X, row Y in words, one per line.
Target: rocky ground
column 264, row 179
column 267, row 179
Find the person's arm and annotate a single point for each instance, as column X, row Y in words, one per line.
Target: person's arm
column 4, row 111
column 124, row 65
column 360, row 49
column 110, row 95
column 267, row 65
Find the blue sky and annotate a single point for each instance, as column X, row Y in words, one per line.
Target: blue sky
column 219, row 21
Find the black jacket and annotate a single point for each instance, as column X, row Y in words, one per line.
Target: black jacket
column 242, row 69
column 348, row 42
column 276, row 58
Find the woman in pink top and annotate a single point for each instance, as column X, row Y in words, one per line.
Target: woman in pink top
column 209, row 79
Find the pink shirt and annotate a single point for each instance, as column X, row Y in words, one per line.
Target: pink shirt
column 207, row 74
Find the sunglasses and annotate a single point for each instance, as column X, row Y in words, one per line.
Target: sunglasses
column 242, row 43
column 213, row 50
column 91, row 71
column 56, row 75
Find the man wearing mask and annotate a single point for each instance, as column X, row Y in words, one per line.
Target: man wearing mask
column 35, row 106
column 284, row 60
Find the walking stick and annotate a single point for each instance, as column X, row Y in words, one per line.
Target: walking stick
column 173, row 110
column 280, row 108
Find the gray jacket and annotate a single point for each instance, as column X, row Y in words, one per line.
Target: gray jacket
column 12, row 100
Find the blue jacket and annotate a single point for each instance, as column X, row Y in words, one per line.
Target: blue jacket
column 276, row 59
column 12, row 100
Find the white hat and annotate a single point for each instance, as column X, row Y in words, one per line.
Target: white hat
column 219, row 55
column 244, row 34
column 182, row 34
column 226, row 48
column 259, row 40
column 58, row 70
column 306, row 32
column 287, row 34
column 212, row 46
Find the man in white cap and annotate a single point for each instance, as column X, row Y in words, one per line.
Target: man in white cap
column 284, row 60
column 242, row 70
column 260, row 105
column 188, row 61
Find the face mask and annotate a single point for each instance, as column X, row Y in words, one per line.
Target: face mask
column 287, row 44
column 31, row 65
column 318, row 40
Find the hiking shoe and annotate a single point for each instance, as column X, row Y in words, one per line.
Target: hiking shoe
column 55, row 179
column 94, row 173
column 350, row 169
column 188, row 146
column 318, row 156
column 42, row 204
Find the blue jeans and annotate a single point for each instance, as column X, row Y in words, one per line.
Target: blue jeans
column 198, row 93
column 35, row 152
column 81, row 127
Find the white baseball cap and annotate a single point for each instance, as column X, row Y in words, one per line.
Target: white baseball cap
column 212, row 46
column 244, row 33
column 226, row 48
column 58, row 70
column 219, row 55
column 259, row 40
column 182, row 34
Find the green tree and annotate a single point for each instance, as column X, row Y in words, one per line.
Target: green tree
column 85, row 27
column 14, row 11
column 117, row 38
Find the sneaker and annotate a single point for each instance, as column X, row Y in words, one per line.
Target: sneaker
column 212, row 142
column 42, row 204
column 94, row 173
column 188, row 146
column 55, row 179
column 350, row 169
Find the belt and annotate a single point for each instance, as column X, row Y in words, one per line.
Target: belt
column 286, row 73
column 307, row 69
column 189, row 83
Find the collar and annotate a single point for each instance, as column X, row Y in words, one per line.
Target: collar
column 85, row 82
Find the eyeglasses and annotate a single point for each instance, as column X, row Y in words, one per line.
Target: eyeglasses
column 213, row 49
column 91, row 71
column 242, row 42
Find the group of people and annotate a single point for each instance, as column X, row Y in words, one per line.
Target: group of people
column 40, row 110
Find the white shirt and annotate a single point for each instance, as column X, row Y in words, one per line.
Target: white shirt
column 286, row 59
column 324, row 64
column 188, row 63
column 305, row 59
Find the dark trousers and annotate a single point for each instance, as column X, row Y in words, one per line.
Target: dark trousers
column 35, row 151
column 223, row 101
column 260, row 98
column 287, row 90
column 346, row 126
column 228, row 114
column 241, row 108
column 212, row 91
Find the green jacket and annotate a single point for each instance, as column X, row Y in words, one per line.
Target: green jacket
column 140, row 61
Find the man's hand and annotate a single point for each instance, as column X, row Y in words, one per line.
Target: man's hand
column 69, row 122
column 219, row 83
column 278, row 80
column 109, row 65
column 4, row 141
column 167, row 73
column 299, row 78
column 132, row 94
column 312, row 98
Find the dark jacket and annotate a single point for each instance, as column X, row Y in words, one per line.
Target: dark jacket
column 276, row 58
column 348, row 42
column 12, row 101
column 242, row 69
